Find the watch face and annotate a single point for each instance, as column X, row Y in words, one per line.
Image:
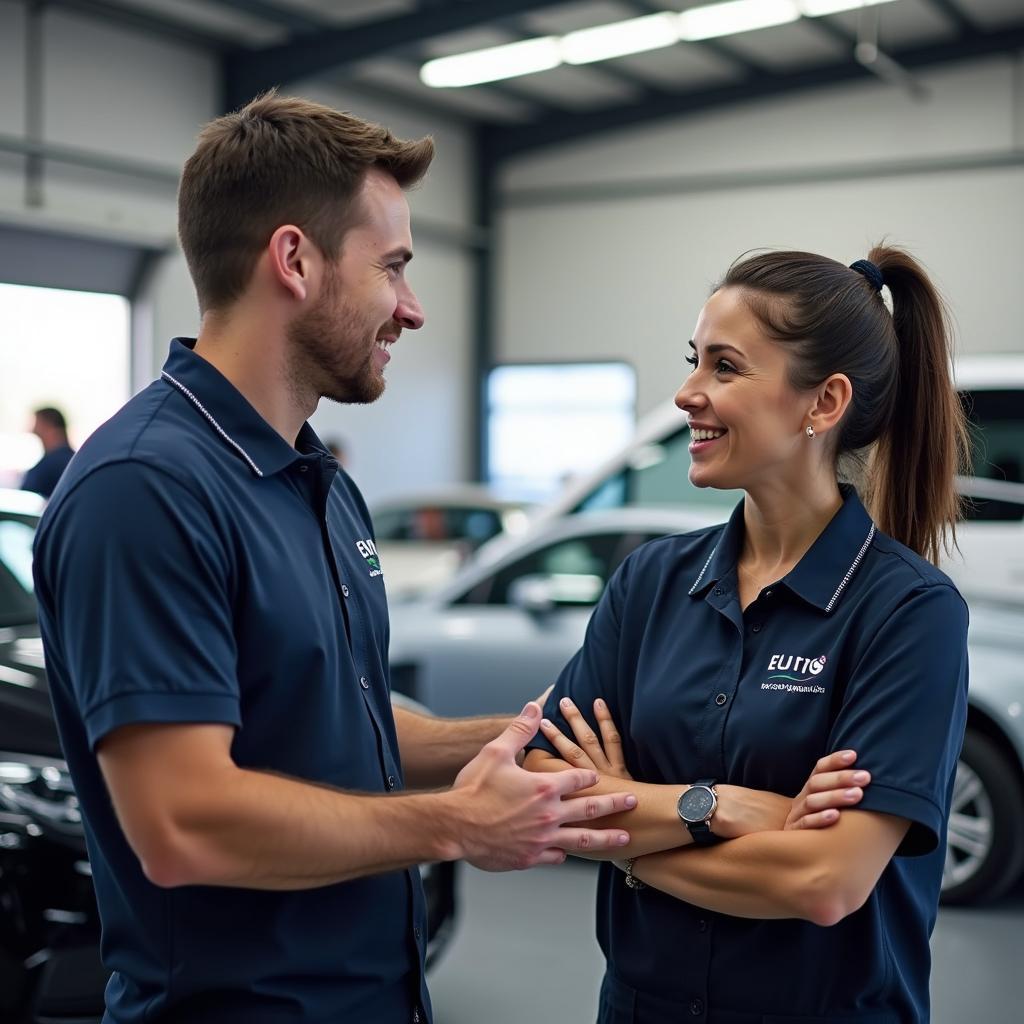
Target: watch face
column 696, row 803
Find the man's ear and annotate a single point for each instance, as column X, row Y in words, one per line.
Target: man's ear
column 832, row 400
column 291, row 260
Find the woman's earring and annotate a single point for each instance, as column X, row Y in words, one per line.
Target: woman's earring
column 810, row 431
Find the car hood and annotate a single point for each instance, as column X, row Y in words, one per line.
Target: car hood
column 26, row 717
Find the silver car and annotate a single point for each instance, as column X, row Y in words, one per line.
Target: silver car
column 502, row 629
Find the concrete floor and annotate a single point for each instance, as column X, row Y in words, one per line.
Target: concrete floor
column 524, row 951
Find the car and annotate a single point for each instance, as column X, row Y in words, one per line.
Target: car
column 50, row 967
column 651, row 470
column 425, row 537
column 498, row 633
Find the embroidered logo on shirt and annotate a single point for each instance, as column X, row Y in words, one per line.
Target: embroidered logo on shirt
column 369, row 552
column 787, row 676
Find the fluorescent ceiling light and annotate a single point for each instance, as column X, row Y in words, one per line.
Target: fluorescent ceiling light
column 620, row 38
column 493, row 64
column 726, row 19
column 819, row 8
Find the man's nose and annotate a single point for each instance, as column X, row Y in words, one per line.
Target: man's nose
column 408, row 312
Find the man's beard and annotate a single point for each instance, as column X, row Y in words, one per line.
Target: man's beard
column 327, row 354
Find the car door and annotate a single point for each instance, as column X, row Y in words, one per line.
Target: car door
column 491, row 655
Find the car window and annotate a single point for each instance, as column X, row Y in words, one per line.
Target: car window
column 996, row 420
column 657, row 476
column 594, row 556
column 17, row 600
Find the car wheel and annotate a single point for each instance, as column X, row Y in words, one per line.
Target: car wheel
column 985, row 843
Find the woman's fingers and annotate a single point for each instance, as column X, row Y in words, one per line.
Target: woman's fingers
column 823, row 819
column 570, row 752
column 585, row 736
column 835, row 798
column 610, row 738
column 821, row 782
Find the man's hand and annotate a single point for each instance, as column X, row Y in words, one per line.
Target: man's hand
column 833, row 785
column 509, row 818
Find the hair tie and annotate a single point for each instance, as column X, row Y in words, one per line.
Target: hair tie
column 870, row 272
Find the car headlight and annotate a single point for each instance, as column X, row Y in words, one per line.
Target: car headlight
column 36, row 793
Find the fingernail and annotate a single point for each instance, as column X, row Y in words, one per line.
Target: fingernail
column 860, row 777
column 631, row 801
column 599, row 703
column 565, row 702
column 623, row 839
column 545, row 724
column 850, row 794
column 531, row 710
column 831, row 815
column 849, row 755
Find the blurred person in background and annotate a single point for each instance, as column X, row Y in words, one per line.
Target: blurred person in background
column 51, row 428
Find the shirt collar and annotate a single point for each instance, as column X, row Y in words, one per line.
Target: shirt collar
column 242, row 429
column 822, row 575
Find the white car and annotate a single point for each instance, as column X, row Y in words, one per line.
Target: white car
column 504, row 627
column 423, row 538
column 652, row 471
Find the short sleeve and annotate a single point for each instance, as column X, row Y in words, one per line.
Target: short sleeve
column 134, row 599
column 593, row 670
column 905, row 709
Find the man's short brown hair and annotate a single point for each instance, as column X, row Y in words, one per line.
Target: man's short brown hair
column 278, row 160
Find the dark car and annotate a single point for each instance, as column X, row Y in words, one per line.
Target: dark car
column 50, row 968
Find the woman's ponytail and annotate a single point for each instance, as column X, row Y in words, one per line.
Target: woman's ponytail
column 911, row 485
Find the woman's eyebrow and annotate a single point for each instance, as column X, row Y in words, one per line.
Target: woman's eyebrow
column 715, row 348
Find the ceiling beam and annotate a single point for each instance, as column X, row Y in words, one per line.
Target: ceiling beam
column 955, row 15
column 248, row 72
column 505, row 141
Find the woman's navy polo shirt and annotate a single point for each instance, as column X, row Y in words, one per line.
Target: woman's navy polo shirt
column 862, row 645
column 194, row 567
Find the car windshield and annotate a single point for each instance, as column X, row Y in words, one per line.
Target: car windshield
column 17, row 597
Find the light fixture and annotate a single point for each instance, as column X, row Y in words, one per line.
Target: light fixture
column 734, row 16
column 493, row 64
column 820, row 8
column 620, row 38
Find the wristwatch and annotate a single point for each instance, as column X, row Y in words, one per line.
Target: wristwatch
column 696, row 807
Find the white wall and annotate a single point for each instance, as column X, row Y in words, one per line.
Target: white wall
column 129, row 94
column 625, row 277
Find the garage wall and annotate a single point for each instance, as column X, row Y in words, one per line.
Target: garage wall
column 608, row 248
column 129, row 94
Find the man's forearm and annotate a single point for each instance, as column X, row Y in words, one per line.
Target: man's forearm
column 435, row 750
column 261, row 831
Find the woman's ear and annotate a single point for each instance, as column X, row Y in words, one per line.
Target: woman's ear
column 833, row 399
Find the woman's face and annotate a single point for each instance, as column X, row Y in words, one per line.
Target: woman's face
column 747, row 423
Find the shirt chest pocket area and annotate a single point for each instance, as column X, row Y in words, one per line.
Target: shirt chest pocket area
column 780, row 721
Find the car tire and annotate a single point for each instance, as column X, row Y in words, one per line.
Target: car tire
column 985, row 844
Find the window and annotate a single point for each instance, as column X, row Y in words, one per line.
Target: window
column 996, row 420
column 657, row 475
column 58, row 348
column 17, row 603
column 585, row 559
column 547, row 423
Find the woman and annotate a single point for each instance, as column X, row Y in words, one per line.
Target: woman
column 741, row 659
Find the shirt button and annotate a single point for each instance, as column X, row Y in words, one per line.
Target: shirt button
column 721, row 699
column 364, row 682
column 417, row 934
column 768, row 593
column 303, row 468
column 718, row 591
column 702, row 924
column 696, row 1007
column 344, row 590
column 391, row 782
column 756, row 627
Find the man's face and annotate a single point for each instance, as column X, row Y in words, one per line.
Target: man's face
column 341, row 346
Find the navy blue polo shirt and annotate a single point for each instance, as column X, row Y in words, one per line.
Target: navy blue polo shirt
column 192, row 566
column 43, row 476
column 862, row 645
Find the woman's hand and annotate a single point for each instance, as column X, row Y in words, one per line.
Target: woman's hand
column 831, row 787
column 602, row 754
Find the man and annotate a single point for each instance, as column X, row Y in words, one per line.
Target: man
column 51, row 428
column 214, row 616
